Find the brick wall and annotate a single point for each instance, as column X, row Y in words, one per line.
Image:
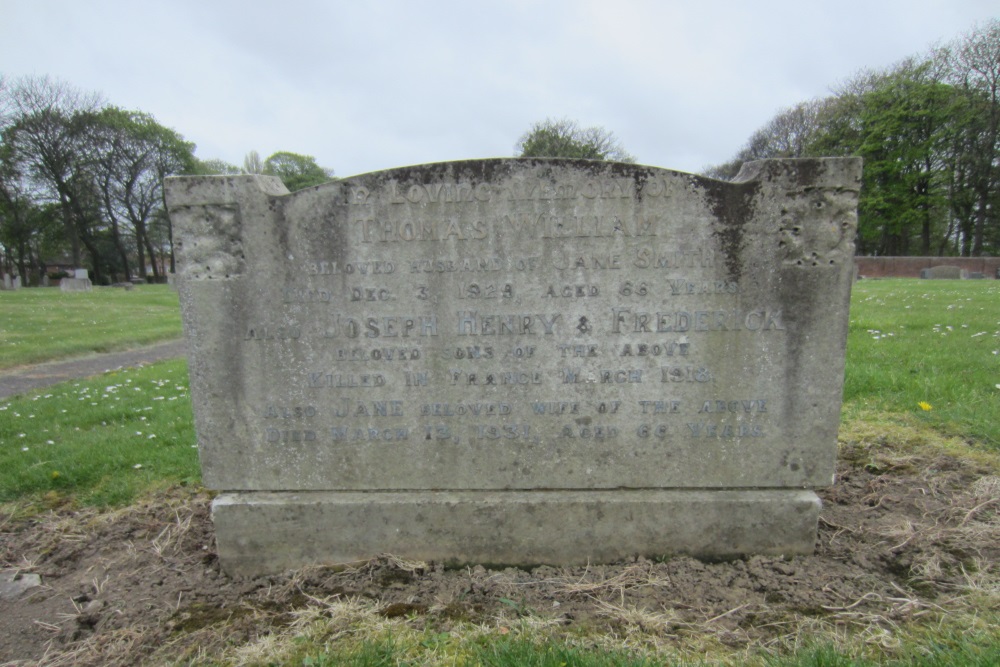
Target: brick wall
column 909, row 267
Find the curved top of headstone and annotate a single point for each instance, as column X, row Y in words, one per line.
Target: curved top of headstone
column 841, row 173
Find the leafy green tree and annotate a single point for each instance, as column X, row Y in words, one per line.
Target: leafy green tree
column 565, row 138
column 923, row 133
column 296, row 171
column 215, row 167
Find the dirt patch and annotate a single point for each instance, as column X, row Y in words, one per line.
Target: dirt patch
column 898, row 537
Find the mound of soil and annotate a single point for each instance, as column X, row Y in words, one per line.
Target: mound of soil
column 117, row 587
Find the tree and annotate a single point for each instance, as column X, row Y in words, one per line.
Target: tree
column 51, row 146
column 565, row 138
column 215, row 167
column 974, row 64
column 135, row 154
column 101, row 167
column 252, row 164
column 927, row 130
column 907, row 130
column 296, row 171
column 788, row 134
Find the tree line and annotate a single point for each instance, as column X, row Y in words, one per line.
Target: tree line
column 81, row 180
column 928, row 129
column 81, row 183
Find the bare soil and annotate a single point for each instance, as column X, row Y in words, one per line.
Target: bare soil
column 898, row 537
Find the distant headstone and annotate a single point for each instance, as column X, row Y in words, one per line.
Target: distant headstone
column 46, row 281
column 976, row 275
column 81, row 274
column 75, row 285
column 7, row 284
column 172, row 280
column 517, row 361
column 15, row 283
column 944, row 272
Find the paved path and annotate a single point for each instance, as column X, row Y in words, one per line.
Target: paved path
column 26, row 378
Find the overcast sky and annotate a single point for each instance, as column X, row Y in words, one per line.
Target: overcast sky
column 368, row 85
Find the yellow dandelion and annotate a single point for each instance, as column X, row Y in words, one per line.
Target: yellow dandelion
column 924, row 405
column 55, row 474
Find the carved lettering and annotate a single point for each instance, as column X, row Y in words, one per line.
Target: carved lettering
column 724, row 431
column 472, row 323
column 625, row 320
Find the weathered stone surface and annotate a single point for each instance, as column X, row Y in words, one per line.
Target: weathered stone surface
column 270, row 532
column 526, row 326
column 944, row 272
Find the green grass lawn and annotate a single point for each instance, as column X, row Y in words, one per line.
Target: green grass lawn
column 45, row 323
column 101, row 441
column 928, row 348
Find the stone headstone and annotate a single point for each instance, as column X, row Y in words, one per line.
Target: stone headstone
column 81, row 274
column 517, row 361
column 75, row 285
column 7, row 282
column 46, row 281
column 944, row 272
column 16, row 282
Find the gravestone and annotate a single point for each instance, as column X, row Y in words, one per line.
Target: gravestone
column 80, row 282
column 944, row 272
column 517, row 360
column 76, row 285
column 7, row 283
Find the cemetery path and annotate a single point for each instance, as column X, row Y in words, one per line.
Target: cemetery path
column 27, row 378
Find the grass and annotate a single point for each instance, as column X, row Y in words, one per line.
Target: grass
column 351, row 632
column 42, row 324
column 101, row 441
column 929, row 348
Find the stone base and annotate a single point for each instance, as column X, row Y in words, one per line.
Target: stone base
column 265, row 532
